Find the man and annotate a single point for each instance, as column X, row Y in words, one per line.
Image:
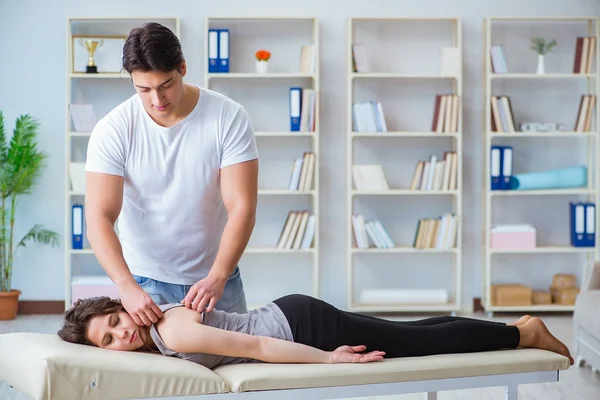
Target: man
column 178, row 166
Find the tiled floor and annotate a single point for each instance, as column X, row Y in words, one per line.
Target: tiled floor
column 575, row 384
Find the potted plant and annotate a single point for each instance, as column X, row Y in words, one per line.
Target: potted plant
column 262, row 61
column 21, row 164
column 542, row 47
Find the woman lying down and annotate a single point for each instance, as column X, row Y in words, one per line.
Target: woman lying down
column 294, row 329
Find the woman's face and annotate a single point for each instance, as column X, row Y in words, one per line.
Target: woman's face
column 116, row 331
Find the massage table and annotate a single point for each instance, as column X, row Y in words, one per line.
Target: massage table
column 45, row 367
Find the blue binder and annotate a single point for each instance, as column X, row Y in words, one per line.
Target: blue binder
column 295, row 108
column 577, row 225
column 589, row 239
column 213, row 50
column 223, row 50
column 496, row 162
column 507, row 167
column 77, row 226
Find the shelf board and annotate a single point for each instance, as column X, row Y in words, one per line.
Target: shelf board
column 531, row 308
column 545, row 249
column 254, row 75
column 260, row 250
column 404, row 134
column 549, row 192
column 404, row 307
column 399, row 75
column 540, row 134
column 269, row 192
column 511, row 75
column 405, row 249
column 286, row 134
column 107, row 75
column 79, row 134
column 403, row 192
column 83, row 251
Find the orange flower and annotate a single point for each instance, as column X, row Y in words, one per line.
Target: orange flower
column 263, row 55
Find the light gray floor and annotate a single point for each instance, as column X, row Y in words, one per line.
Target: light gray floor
column 575, row 384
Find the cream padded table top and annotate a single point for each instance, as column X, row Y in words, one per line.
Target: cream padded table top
column 45, row 367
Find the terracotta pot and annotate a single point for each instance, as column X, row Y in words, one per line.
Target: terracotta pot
column 9, row 302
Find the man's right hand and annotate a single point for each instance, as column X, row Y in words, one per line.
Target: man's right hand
column 139, row 305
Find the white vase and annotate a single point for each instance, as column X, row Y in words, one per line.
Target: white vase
column 540, row 66
column 262, row 67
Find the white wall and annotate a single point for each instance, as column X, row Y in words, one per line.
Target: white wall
column 32, row 80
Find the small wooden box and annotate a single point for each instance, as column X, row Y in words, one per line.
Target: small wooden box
column 511, row 295
column 540, row 297
column 565, row 296
column 564, row 281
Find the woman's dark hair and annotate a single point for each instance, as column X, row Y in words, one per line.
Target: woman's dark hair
column 152, row 47
column 77, row 318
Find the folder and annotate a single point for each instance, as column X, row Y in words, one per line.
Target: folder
column 77, row 226
column 295, row 108
column 496, row 154
column 507, row 165
column 577, row 217
column 223, row 50
column 590, row 225
column 213, row 50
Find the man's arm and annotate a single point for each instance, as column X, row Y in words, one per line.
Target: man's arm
column 239, row 188
column 103, row 202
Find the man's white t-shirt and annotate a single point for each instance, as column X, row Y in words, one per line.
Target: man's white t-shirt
column 173, row 215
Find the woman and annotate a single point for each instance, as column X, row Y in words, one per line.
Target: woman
column 294, row 329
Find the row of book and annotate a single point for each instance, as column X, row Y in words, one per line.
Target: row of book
column 370, row 233
column 585, row 52
column 303, row 171
column 219, row 56
column 368, row 116
column 298, row 231
column 445, row 114
column 302, row 106
column 583, row 59
column 436, row 233
column 435, row 174
column 503, row 119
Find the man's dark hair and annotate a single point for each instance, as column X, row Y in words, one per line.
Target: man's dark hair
column 152, row 47
column 77, row 318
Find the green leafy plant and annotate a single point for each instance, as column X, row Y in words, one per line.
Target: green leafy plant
column 21, row 164
column 541, row 46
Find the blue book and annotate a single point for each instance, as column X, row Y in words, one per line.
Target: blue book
column 589, row 238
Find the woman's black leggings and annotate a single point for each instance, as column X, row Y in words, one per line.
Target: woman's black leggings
column 321, row 325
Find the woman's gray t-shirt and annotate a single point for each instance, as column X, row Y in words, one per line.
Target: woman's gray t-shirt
column 267, row 320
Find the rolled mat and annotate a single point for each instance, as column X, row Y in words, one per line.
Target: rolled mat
column 561, row 178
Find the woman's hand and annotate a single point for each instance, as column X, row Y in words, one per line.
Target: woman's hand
column 351, row 354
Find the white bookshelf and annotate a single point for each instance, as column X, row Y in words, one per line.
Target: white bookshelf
column 103, row 90
column 266, row 98
column 404, row 57
column 550, row 97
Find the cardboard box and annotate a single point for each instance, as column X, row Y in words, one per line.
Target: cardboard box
column 564, row 281
column 511, row 295
column 513, row 237
column 565, row 296
column 83, row 287
column 541, row 297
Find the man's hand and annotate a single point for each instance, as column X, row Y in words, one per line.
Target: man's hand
column 139, row 305
column 205, row 292
column 351, row 354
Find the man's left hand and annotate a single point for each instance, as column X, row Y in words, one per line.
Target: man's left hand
column 205, row 292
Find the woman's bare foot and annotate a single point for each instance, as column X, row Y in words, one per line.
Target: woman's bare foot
column 521, row 320
column 534, row 333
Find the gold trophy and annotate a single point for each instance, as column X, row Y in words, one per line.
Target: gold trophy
column 91, row 46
